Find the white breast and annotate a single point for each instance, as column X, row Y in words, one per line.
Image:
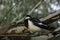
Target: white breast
column 32, row 27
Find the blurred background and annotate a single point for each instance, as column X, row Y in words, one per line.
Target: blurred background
column 15, row 10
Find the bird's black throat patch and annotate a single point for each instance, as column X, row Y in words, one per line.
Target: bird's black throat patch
column 26, row 23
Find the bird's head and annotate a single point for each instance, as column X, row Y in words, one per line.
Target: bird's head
column 28, row 17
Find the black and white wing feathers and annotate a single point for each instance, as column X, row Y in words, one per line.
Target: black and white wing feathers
column 40, row 24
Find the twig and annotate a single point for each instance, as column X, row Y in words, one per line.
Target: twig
column 6, row 14
column 39, row 3
column 9, row 23
column 51, row 18
column 30, row 12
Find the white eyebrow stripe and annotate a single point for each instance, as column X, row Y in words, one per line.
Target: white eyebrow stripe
column 27, row 17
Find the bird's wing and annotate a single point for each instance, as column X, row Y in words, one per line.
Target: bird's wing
column 40, row 24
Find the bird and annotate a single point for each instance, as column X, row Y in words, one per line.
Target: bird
column 35, row 25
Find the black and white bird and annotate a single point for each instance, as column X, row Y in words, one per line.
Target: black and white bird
column 35, row 25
